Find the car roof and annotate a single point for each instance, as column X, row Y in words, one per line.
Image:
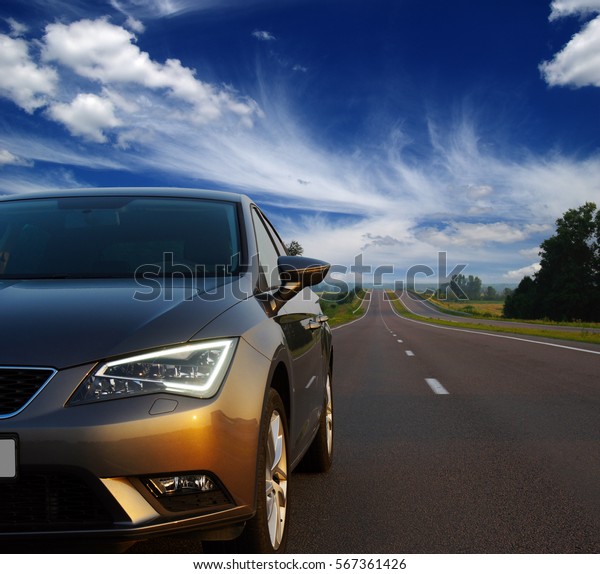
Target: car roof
column 131, row 191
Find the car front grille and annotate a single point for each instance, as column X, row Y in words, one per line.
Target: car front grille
column 50, row 502
column 18, row 386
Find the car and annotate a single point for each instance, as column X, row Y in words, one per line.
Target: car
column 164, row 366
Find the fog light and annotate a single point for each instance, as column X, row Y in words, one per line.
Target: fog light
column 184, row 484
column 197, row 493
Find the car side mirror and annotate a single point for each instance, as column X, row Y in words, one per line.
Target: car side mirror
column 295, row 274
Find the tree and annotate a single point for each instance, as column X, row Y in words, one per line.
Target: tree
column 568, row 279
column 462, row 286
column 294, row 248
column 474, row 288
column 567, row 286
column 458, row 286
column 521, row 303
column 490, row 293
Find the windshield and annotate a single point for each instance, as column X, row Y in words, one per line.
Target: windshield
column 81, row 237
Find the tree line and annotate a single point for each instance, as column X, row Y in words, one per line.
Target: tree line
column 462, row 287
column 567, row 285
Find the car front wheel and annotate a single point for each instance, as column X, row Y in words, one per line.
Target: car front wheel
column 267, row 531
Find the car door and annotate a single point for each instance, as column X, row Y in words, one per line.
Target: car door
column 299, row 321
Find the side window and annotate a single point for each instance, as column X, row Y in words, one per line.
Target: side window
column 279, row 246
column 267, row 252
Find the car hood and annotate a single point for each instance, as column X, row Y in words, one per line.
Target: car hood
column 63, row 323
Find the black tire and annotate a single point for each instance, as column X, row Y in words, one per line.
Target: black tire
column 319, row 456
column 267, row 531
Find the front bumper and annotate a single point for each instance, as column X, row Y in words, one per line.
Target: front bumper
column 83, row 469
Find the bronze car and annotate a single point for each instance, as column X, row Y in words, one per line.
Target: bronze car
column 164, row 366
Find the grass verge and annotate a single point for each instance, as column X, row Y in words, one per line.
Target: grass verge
column 494, row 310
column 534, row 331
column 340, row 312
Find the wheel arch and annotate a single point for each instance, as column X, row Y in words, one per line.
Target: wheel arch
column 280, row 382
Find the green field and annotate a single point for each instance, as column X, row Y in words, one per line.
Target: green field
column 487, row 309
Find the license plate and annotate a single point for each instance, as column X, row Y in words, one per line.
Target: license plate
column 8, row 458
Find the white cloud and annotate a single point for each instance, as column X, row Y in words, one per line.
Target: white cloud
column 163, row 8
column 40, row 180
column 104, row 52
column 149, row 8
column 548, row 186
column 380, row 241
column 135, row 25
column 562, row 8
column 530, row 253
column 263, row 35
column 518, row 274
column 478, row 234
column 578, row 63
column 16, row 28
column 475, row 192
column 8, row 158
column 87, row 116
column 31, row 147
column 23, row 81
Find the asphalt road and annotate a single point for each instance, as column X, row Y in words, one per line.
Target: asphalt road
column 507, row 461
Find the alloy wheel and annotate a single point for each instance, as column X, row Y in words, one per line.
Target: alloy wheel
column 276, row 471
column 329, row 417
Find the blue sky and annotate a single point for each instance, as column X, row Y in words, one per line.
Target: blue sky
column 395, row 129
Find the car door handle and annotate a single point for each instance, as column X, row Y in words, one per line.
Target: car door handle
column 312, row 324
column 315, row 323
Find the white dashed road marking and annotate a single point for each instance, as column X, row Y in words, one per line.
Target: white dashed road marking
column 436, row 387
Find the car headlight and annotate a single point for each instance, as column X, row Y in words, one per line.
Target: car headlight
column 194, row 369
